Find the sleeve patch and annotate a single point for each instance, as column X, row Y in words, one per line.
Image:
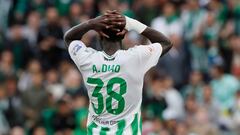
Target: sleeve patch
column 75, row 49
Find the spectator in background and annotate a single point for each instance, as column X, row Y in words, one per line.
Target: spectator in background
column 224, row 88
column 194, row 87
column 199, row 55
column 175, row 63
column 211, row 27
column 53, row 84
column 76, row 14
column 181, row 129
column 31, row 29
column 6, row 65
column 64, row 119
column 13, row 111
column 173, row 98
column 168, row 23
column 37, row 130
column 236, row 112
column 234, row 14
column 73, row 83
column 4, row 12
column 2, row 40
column 210, row 105
column 235, row 62
column 47, row 115
column 219, row 9
column 153, row 128
column 17, row 131
column 63, row 6
column 50, row 40
column 146, row 11
column 191, row 107
column 206, row 128
column 192, row 16
column 80, row 106
column 214, row 56
column 4, row 126
column 19, row 46
column 25, row 77
column 32, row 104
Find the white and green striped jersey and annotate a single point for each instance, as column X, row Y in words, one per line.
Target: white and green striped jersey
column 114, row 85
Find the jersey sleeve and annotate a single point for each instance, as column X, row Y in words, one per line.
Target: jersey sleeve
column 79, row 52
column 149, row 55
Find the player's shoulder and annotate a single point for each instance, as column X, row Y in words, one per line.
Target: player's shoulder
column 78, row 46
column 137, row 47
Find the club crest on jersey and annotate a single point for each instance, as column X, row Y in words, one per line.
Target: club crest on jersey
column 75, row 49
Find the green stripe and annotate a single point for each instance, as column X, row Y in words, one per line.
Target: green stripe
column 141, row 124
column 134, row 125
column 121, row 126
column 90, row 128
column 104, row 130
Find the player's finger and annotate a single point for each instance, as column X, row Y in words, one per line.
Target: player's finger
column 123, row 32
column 103, row 34
column 117, row 23
column 112, row 12
column 110, row 23
column 115, row 29
column 109, row 26
column 116, row 19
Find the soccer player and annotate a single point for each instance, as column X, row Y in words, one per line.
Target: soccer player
column 114, row 77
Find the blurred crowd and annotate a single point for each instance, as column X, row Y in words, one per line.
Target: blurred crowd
column 194, row 89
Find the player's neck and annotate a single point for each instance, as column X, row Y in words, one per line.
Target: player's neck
column 111, row 47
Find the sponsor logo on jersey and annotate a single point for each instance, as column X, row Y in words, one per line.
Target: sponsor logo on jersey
column 103, row 122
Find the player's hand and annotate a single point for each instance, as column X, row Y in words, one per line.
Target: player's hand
column 112, row 20
column 99, row 23
column 116, row 20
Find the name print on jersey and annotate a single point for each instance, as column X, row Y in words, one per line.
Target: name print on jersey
column 106, row 68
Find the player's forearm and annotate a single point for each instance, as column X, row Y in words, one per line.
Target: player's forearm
column 157, row 37
column 153, row 35
column 76, row 32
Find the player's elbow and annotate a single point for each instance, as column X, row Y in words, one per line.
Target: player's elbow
column 65, row 36
column 66, row 39
column 166, row 46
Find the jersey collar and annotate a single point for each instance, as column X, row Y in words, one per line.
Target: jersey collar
column 109, row 57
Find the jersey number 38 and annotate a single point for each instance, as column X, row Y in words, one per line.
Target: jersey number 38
column 111, row 95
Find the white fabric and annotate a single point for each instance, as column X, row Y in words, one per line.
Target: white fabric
column 134, row 63
column 175, row 109
column 173, row 28
column 132, row 24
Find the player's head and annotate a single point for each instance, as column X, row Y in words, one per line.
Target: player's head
column 114, row 31
column 217, row 71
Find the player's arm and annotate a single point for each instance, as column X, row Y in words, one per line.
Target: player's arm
column 153, row 35
column 76, row 32
column 157, row 37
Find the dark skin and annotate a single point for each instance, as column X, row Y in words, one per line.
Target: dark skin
column 112, row 20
